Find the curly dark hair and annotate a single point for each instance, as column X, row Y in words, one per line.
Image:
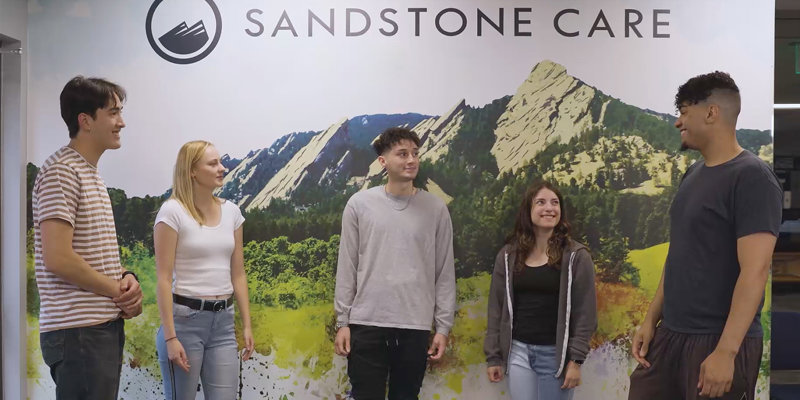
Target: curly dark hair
column 83, row 95
column 389, row 137
column 701, row 87
column 523, row 236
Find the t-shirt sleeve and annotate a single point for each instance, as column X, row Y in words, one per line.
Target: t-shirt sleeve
column 169, row 213
column 238, row 218
column 58, row 193
column 758, row 202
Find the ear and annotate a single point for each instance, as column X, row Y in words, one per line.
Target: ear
column 85, row 122
column 712, row 113
column 382, row 160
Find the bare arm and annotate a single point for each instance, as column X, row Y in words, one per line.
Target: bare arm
column 646, row 331
column 656, row 306
column 166, row 241
column 61, row 259
column 755, row 257
column 239, row 280
column 717, row 370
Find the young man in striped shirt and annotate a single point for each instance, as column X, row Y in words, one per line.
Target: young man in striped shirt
column 85, row 293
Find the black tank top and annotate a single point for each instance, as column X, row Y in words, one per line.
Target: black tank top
column 536, row 305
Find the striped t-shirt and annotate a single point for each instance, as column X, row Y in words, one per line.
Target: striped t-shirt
column 70, row 189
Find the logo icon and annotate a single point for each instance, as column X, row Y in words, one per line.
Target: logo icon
column 182, row 44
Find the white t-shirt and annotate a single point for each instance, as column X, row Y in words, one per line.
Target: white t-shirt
column 203, row 253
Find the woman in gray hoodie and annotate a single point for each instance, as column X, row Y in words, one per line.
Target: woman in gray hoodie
column 542, row 303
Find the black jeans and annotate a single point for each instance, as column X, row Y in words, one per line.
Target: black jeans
column 86, row 362
column 375, row 353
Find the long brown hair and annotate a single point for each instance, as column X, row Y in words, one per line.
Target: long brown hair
column 523, row 237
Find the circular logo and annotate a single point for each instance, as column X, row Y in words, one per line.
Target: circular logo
column 179, row 42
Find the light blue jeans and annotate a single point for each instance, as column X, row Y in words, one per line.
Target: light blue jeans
column 531, row 373
column 210, row 343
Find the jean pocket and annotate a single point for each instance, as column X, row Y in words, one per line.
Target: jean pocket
column 183, row 312
column 52, row 344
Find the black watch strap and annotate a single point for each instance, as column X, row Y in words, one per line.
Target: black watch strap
column 579, row 362
column 130, row 273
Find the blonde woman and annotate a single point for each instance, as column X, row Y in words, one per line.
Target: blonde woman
column 200, row 268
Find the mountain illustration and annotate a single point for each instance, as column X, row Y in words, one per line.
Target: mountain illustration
column 619, row 165
column 616, row 164
column 247, row 182
column 600, row 142
column 184, row 39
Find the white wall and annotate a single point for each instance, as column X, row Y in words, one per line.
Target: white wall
column 13, row 24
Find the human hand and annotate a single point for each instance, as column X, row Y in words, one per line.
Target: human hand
column 438, row 345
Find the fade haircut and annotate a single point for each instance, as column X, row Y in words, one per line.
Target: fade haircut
column 83, row 95
column 392, row 136
column 717, row 87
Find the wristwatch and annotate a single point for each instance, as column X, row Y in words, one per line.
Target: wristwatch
column 130, row 273
column 579, row 362
column 341, row 325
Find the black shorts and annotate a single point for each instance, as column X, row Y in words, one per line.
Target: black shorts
column 674, row 371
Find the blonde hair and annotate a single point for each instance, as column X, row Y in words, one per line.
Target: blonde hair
column 182, row 190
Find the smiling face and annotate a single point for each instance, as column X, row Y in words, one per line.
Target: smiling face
column 401, row 161
column 545, row 209
column 104, row 128
column 208, row 172
column 692, row 125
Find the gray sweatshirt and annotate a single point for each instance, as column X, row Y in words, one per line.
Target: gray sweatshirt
column 396, row 262
column 577, row 307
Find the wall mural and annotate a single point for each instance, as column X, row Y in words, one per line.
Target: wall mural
column 617, row 162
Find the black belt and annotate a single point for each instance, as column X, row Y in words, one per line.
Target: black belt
column 203, row 305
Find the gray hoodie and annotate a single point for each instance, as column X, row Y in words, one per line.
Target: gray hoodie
column 577, row 307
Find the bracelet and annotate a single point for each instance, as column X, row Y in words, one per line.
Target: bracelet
column 167, row 340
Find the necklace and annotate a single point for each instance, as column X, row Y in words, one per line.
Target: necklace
column 393, row 201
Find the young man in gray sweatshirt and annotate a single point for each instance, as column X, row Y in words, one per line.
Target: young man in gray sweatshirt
column 395, row 279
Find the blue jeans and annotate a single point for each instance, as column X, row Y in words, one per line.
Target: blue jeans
column 532, row 373
column 210, row 343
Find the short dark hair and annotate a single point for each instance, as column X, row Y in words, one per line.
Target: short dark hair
column 701, row 87
column 83, row 95
column 391, row 136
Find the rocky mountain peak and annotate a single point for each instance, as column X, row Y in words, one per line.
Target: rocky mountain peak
column 550, row 106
